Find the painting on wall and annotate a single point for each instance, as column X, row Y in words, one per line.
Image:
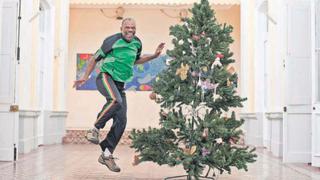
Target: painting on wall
column 144, row 74
column 82, row 63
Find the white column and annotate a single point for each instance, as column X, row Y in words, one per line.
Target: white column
column 1, row 1
column 27, row 18
column 63, row 51
column 48, row 105
column 244, row 53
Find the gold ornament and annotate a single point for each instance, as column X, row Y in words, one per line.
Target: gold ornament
column 136, row 160
column 164, row 114
column 204, row 69
column 205, row 133
column 153, row 96
column 228, row 82
column 183, row 71
column 190, row 151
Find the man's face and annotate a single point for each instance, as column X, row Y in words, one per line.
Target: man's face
column 128, row 29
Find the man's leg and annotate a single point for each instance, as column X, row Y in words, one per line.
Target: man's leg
column 108, row 89
column 110, row 142
column 118, row 127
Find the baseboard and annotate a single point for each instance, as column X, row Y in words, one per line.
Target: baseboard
column 78, row 137
column 297, row 157
column 6, row 154
column 254, row 140
column 27, row 144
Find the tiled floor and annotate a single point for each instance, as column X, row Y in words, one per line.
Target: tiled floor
column 73, row 162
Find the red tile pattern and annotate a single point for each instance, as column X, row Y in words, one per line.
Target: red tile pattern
column 78, row 137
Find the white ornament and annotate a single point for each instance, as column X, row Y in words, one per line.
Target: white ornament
column 199, row 82
column 168, row 61
column 187, row 24
column 216, row 63
column 209, row 40
column 216, row 96
column 180, row 42
column 219, row 140
column 193, row 51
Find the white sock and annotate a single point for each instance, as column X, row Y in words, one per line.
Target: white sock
column 96, row 129
column 106, row 152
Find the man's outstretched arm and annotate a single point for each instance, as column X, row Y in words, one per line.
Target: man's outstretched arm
column 147, row 58
column 91, row 65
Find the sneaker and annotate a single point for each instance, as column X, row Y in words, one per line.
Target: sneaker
column 109, row 162
column 93, row 136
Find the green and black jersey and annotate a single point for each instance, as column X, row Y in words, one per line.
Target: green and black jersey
column 119, row 56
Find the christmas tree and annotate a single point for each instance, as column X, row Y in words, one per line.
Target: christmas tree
column 195, row 93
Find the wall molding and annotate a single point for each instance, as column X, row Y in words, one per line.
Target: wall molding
column 78, row 137
column 274, row 115
column 28, row 130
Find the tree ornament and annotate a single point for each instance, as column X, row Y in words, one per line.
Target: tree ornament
column 196, row 37
column 164, row 114
column 168, row 61
column 204, row 152
column 228, row 82
column 180, row 42
column 219, row 55
column 152, row 96
column 231, row 70
column 233, row 140
column 216, row 96
column 205, row 133
column 194, row 74
column 183, row 71
column 186, row 24
column 209, row 40
column 219, row 141
column 136, row 160
column 216, row 63
column 204, row 69
column 190, row 151
column 193, row 50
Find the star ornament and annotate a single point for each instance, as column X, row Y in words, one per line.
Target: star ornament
column 183, row 71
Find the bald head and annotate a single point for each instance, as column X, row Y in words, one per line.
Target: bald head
column 128, row 19
column 128, row 28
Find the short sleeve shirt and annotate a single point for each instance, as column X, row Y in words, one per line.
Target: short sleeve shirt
column 119, row 56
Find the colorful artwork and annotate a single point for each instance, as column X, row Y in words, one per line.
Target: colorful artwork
column 82, row 63
column 144, row 74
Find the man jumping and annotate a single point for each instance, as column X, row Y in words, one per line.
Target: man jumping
column 119, row 53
